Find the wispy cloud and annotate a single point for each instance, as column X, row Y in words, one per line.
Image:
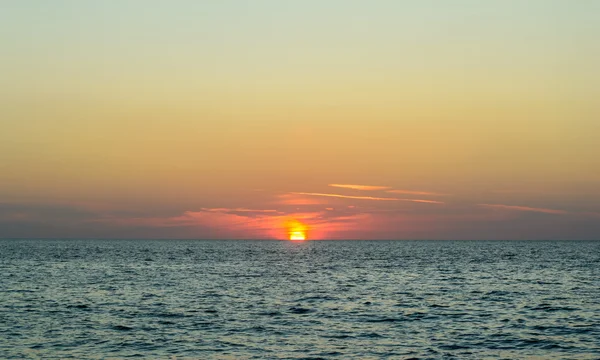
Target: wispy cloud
column 344, row 220
column 228, row 224
column 238, row 210
column 523, row 208
column 360, row 187
column 424, row 201
column 522, row 191
column 411, row 192
column 298, row 200
column 593, row 214
column 367, row 198
column 320, row 224
column 347, row 196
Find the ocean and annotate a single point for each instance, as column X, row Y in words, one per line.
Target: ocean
column 185, row 299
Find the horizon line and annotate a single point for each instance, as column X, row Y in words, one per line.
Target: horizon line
column 287, row 240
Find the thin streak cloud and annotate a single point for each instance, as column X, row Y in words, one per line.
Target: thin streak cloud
column 360, row 187
column 368, row 198
column 424, row 201
column 593, row 214
column 244, row 210
column 410, row 192
column 523, row 208
column 348, row 196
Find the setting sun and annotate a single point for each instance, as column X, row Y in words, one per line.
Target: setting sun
column 297, row 236
column 296, row 230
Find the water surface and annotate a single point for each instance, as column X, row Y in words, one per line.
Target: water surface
column 310, row 300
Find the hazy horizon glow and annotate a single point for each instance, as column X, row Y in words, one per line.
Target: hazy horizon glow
column 345, row 118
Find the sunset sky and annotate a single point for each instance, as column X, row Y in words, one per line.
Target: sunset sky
column 343, row 119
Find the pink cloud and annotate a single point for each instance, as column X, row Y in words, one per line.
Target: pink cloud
column 266, row 225
column 228, row 224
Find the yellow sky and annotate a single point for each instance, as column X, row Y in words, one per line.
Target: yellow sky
column 151, row 111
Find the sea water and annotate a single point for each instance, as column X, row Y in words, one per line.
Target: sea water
column 175, row 299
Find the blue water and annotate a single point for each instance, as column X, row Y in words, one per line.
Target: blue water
column 312, row 300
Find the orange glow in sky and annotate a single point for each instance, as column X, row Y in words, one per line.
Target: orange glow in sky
column 479, row 122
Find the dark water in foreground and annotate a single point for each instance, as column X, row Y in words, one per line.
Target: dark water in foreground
column 313, row 300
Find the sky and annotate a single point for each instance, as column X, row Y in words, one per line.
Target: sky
column 337, row 119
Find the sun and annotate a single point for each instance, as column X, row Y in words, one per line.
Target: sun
column 297, row 236
column 296, row 230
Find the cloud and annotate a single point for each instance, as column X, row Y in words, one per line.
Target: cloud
column 360, row 187
column 370, row 220
column 523, row 208
column 244, row 225
column 592, row 214
column 298, row 200
column 346, row 196
column 218, row 223
column 43, row 212
column 411, row 192
column 424, row 201
column 367, row 198
column 522, row 191
column 239, row 210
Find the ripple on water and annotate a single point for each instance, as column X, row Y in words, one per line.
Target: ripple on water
column 255, row 300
